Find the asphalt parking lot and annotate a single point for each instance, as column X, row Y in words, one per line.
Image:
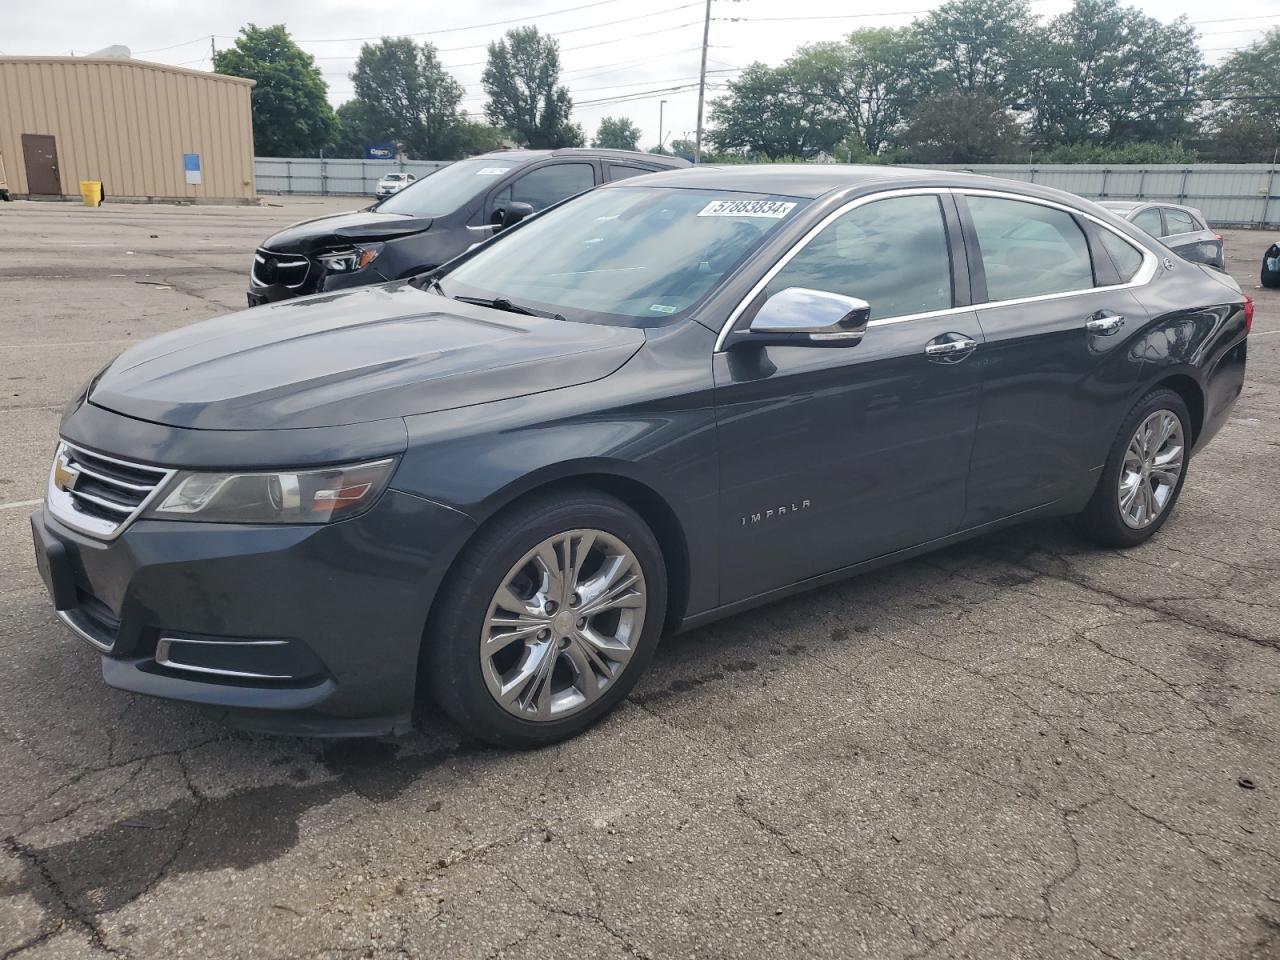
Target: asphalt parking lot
column 1019, row 747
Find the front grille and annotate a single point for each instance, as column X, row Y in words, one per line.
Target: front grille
column 272, row 268
column 97, row 494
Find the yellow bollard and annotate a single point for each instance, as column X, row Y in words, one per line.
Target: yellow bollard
column 91, row 191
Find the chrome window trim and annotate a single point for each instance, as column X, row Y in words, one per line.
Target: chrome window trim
column 164, row 643
column 1146, row 273
column 62, row 506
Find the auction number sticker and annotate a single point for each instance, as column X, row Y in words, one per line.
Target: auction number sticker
column 491, row 171
column 773, row 209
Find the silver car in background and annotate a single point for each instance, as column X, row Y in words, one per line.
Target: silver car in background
column 1183, row 230
column 393, row 183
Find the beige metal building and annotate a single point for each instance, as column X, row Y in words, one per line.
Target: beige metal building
column 147, row 131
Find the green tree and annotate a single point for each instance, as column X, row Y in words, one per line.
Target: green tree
column 1111, row 74
column 407, row 97
column 291, row 112
column 352, row 132
column 869, row 79
column 1244, row 118
column 987, row 47
column 959, row 127
column 522, row 79
column 617, row 133
column 470, row 137
column 768, row 111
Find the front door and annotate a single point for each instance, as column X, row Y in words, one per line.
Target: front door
column 832, row 455
column 40, row 152
column 1056, row 374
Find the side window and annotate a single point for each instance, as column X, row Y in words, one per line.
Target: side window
column 1123, row 254
column 1179, row 221
column 1029, row 250
column 891, row 253
column 620, row 171
column 547, row 185
column 1149, row 220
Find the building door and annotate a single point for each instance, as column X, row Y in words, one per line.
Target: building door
column 41, row 154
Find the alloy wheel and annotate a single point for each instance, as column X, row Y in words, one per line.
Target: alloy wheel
column 563, row 625
column 1152, row 466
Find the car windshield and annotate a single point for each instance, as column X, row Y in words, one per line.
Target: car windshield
column 447, row 189
column 623, row 255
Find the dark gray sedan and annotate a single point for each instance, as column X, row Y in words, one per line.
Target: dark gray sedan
column 1183, row 230
column 661, row 403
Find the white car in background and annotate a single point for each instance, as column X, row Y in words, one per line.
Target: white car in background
column 393, row 183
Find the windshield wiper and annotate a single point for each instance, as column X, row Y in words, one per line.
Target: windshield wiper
column 502, row 303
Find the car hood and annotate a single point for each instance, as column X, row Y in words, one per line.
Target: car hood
column 353, row 357
column 343, row 228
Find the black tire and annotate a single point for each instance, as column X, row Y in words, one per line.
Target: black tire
column 1101, row 520
column 451, row 657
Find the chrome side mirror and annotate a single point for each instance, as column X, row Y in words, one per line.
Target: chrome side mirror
column 798, row 316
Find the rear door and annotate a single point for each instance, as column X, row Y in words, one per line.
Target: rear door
column 832, row 455
column 1056, row 371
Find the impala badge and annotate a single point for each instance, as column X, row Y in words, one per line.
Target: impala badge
column 782, row 510
column 65, row 476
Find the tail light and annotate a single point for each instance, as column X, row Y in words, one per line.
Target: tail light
column 1218, row 237
column 1248, row 314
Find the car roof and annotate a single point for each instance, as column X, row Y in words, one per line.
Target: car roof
column 526, row 155
column 813, row 180
column 1123, row 206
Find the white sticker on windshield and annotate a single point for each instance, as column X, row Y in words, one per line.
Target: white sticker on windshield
column 661, row 308
column 491, row 171
column 773, row 209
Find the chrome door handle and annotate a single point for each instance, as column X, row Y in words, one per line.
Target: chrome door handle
column 950, row 348
column 1104, row 326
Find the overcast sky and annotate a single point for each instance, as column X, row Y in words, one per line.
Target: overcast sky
column 610, row 49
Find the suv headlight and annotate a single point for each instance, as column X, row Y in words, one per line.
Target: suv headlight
column 301, row 496
column 350, row 260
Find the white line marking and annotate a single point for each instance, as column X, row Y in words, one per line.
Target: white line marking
column 19, row 503
column 1264, row 333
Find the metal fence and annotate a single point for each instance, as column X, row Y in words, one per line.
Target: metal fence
column 325, row 177
column 1229, row 194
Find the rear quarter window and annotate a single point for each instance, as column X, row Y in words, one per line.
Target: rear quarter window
column 1124, row 255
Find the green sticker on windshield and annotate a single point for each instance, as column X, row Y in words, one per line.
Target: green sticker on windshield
column 661, row 308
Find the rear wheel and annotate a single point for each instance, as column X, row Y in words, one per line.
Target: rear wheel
column 1143, row 475
column 548, row 620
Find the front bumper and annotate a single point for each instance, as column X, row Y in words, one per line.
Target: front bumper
column 287, row 629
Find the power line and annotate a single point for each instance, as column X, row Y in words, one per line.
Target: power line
column 174, row 46
column 472, row 26
column 580, row 46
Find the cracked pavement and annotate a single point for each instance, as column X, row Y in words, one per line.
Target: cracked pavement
column 1022, row 746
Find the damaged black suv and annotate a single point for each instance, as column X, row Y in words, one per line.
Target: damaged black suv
column 433, row 219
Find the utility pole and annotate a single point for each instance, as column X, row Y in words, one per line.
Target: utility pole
column 702, row 84
column 661, row 138
column 213, row 52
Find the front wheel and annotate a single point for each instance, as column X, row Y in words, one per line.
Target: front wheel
column 547, row 620
column 1143, row 475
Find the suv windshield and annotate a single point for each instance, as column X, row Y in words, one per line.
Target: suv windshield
column 447, row 189
column 624, row 254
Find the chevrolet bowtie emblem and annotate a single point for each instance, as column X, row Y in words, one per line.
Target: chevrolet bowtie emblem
column 64, row 475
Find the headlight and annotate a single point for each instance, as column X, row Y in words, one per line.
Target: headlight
column 303, row 496
column 351, row 260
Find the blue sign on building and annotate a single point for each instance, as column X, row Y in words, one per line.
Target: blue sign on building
column 380, row 151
